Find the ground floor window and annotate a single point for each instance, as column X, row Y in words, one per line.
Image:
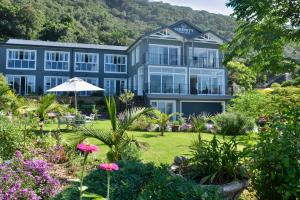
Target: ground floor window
column 163, row 80
column 114, row 87
column 167, row 107
column 22, row 84
column 53, row 81
column 91, row 80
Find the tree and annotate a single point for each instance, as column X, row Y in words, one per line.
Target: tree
column 240, row 75
column 162, row 119
column 126, row 98
column 117, row 138
column 265, row 28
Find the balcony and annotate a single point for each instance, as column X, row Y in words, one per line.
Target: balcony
column 162, row 59
column 205, row 62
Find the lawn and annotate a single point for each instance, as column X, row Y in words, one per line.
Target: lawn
column 162, row 149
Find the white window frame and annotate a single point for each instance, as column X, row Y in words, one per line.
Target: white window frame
column 168, row 46
column 133, row 57
column 45, row 77
column 17, row 75
column 91, row 53
column 192, row 49
column 161, row 74
column 62, row 70
column 165, row 102
column 29, row 50
column 129, row 84
column 118, row 55
column 137, row 54
column 135, row 83
column 114, row 79
column 85, row 93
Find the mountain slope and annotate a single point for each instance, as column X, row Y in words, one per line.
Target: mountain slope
column 116, row 22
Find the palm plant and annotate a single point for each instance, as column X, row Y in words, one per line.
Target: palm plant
column 126, row 98
column 162, row 119
column 117, row 138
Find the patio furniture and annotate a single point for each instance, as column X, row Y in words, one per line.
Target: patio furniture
column 90, row 118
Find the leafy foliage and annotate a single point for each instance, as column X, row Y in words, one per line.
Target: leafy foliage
column 233, row 123
column 275, row 159
column 199, row 122
column 126, row 98
column 138, row 181
column 215, row 161
column 162, row 119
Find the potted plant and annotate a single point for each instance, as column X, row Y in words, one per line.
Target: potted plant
column 175, row 126
column 215, row 163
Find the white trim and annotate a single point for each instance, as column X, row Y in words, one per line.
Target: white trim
column 207, row 50
column 23, row 75
column 195, row 101
column 44, row 83
column 167, row 46
column 165, row 101
column 97, row 61
column 114, row 79
column 85, row 93
column 107, row 72
column 29, row 50
column 57, row 70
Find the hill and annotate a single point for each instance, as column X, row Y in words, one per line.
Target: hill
column 116, row 22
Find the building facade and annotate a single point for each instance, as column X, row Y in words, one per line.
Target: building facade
column 177, row 68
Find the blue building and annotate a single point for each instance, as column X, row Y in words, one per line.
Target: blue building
column 177, row 68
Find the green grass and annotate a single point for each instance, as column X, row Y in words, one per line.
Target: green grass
column 162, row 149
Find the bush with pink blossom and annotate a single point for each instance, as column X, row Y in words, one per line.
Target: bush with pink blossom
column 26, row 179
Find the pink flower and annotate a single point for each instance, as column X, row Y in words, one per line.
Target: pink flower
column 87, row 148
column 109, row 166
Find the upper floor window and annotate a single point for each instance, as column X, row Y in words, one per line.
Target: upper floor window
column 86, row 62
column 57, row 61
column 115, row 63
column 164, row 55
column 21, row 59
column 204, row 58
column 22, row 84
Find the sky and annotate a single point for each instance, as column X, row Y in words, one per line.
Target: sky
column 213, row 6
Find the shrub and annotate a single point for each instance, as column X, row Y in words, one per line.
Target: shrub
column 294, row 82
column 10, row 138
column 199, row 122
column 142, row 124
column 275, row 159
column 233, row 123
column 215, row 161
column 138, row 181
column 26, row 179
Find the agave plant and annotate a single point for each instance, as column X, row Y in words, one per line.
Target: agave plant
column 117, row 138
column 162, row 119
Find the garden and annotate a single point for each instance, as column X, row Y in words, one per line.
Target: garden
column 251, row 151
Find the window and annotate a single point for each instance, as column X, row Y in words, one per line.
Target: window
column 133, row 57
column 114, row 87
column 22, row 84
column 164, row 55
column 207, row 82
column 204, row 58
column 91, row 80
column 167, row 80
column 135, row 83
column 137, row 54
column 21, row 59
column 140, row 84
column 57, row 61
column 86, row 62
column 115, row 63
column 53, row 81
column 129, row 83
column 167, row 107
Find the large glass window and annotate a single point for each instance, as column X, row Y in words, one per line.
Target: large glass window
column 86, row 62
column 115, row 63
column 207, row 82
column 164, row 55
column 114, row 87
column 167, row 80
column 57, row 60
column 91, row 80
column 53, row 81
column 22, row 84
column 204, row 58
column 21, row 59
column 167, row 107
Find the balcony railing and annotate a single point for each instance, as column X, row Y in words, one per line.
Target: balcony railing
column 205, row 62
column 184, row 89
column 162, row 59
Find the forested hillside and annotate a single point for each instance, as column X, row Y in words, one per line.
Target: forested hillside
column 116, row 22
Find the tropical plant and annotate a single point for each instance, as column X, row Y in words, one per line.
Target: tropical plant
column 126, row 97
column 275, row 158
column 233, row 123
column 162, row 119
column 117, row 138
column 215, row 161
column 199, row 122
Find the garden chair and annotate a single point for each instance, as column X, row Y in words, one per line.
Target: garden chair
column 90, row 118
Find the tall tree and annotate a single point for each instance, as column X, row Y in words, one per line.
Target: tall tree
column 265, row 28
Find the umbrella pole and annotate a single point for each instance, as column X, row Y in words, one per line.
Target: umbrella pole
column 75, row 93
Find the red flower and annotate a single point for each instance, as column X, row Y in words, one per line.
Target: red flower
column 87, row 148
column 109, row 166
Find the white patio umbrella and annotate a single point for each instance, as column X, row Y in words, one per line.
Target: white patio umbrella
column 75, row 85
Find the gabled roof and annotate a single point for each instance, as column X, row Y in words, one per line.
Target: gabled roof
column 64, row 44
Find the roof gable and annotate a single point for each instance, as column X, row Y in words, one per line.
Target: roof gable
column 186, row 29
